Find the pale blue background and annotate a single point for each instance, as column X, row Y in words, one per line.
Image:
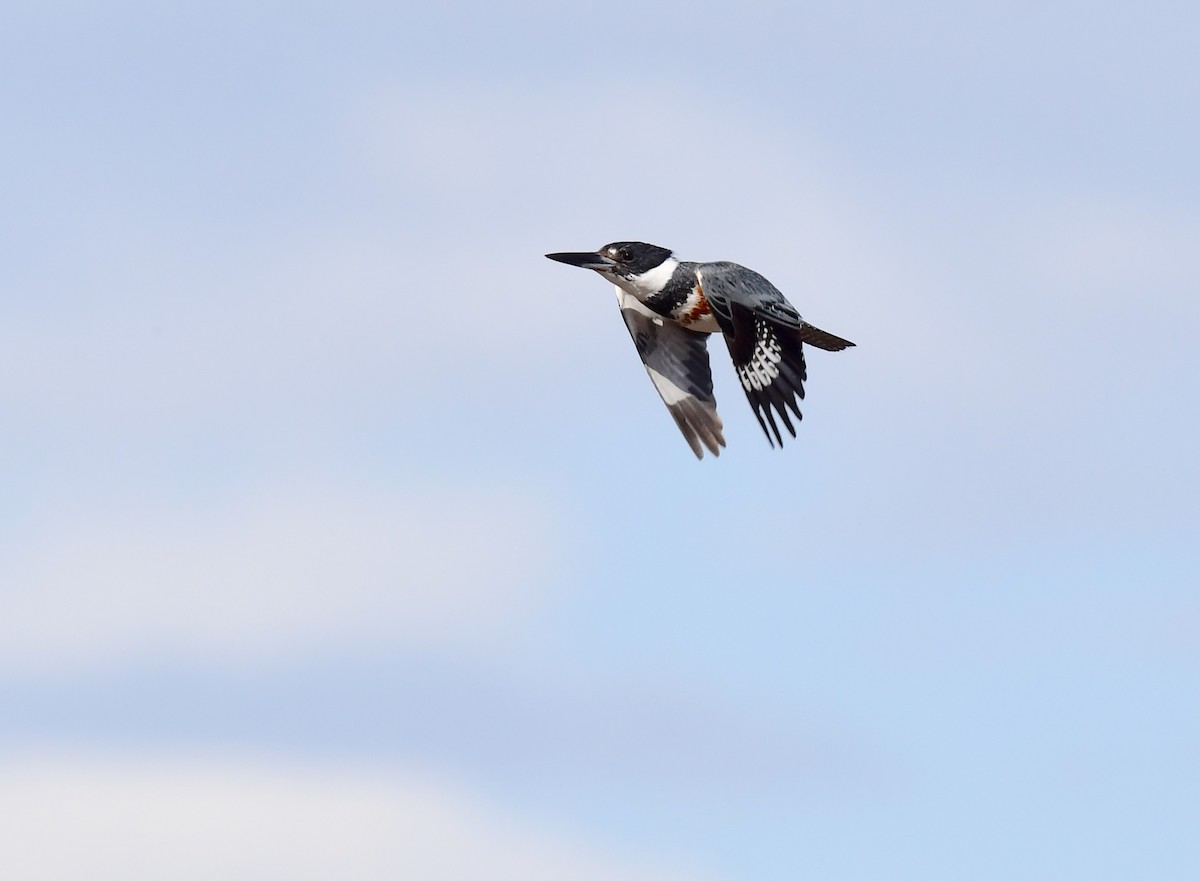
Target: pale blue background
column 309, row 456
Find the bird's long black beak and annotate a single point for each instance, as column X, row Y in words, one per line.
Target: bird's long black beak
column 584, row 260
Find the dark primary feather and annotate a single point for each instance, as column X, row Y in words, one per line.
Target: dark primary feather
column 769, row 361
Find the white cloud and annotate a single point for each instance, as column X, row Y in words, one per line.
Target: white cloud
column 263, row 575
column 143, row 820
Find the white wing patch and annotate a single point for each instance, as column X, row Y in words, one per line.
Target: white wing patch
column 671, row 393
column 763, row 366
column 676, row 361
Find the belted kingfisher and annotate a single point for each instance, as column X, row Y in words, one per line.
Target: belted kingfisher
column 671, row 306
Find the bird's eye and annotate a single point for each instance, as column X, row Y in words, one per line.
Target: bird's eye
column 623, row 255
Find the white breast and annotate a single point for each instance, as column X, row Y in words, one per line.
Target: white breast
column 649, row 282
column 694, row 313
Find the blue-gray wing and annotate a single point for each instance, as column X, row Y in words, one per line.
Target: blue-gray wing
column 764, row 333
column 726, row 283
column 677, row 362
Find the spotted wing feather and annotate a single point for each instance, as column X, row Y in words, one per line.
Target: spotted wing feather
column 765, row 336
column 677, row 362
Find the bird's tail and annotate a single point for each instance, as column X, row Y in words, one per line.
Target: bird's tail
column 814, row 336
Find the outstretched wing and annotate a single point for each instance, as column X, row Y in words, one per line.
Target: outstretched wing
column 677, row 361
column 765, row 336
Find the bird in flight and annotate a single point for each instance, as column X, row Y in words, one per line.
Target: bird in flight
column 671, row 306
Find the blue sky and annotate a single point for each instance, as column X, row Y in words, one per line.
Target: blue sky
column 341, row 533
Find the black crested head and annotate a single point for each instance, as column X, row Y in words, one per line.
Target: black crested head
column 635, row 258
